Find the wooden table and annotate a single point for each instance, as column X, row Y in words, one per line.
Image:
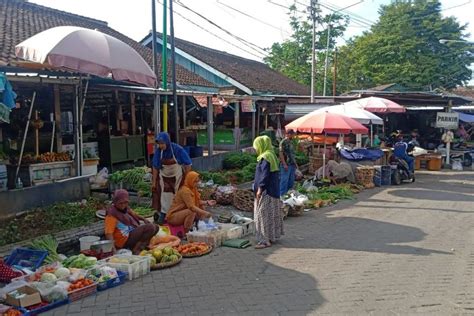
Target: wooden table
column 432, row 162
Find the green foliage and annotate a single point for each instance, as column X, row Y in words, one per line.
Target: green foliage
column 238, row 160
column 47, row 220
column 403, row 47
column 293, row 56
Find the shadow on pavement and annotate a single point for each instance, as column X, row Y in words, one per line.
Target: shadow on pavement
column 439, row 195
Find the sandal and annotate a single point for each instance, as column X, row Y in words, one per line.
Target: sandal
column 263, row 245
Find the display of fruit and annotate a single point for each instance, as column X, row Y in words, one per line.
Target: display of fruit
column 165, row 255
column 193, row 248
column 53, row 157
column 79, row 284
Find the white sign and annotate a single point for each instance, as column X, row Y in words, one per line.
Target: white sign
column 447, row 120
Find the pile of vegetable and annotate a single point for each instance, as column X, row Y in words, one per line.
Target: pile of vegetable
column 238, row 160
column 47, row 220
column 144, row 211
column 79, row 284
column 164, row 255
column 80, row 261
column 48, row 243
column 193, row 248
column 238, row 168
column 318, row 197
column 137, row 179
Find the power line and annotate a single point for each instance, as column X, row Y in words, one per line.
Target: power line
column 250, row 16
column 215, row 35
column 244, row 41
column 349, row 12
column 285, row 7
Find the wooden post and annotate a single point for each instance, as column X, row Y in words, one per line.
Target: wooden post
column 133, row 114
column 257, row 108
column 210, row 127
column 334, row 80
column 118, row 112
column 237, row 125
column 184, row 112
column 57, row 117
column 253, row 122
column 36, row 136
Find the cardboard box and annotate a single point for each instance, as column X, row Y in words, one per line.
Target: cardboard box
column 32, row 297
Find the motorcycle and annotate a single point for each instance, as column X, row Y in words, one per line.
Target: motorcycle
column 400, row 169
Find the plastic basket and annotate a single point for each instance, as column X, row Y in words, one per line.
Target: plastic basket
column 120, row 279
column 139, row 267
column 248, row 228
column 43, row 309
column 386, row 178
column 84, row 292
column 26, row 258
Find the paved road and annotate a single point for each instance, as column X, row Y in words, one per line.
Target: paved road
column 397, row 250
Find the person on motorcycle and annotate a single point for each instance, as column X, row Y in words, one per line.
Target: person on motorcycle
column 401, row 150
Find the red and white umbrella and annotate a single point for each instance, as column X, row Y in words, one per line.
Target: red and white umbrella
column 377, row 105
column 86, row 51
column 326, row 123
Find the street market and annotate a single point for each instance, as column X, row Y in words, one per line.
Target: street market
column 111, row 176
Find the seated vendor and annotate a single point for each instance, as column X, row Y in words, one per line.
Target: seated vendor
column 122, row 225
column 187, row 206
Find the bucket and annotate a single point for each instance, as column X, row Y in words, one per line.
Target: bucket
column 87, row 241
column 435, row 163
column 197, row 151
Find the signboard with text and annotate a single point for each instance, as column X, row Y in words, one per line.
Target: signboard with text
column 447, row 120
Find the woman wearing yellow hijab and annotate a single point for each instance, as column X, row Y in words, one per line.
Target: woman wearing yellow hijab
column 267, row 213
column 187, row 205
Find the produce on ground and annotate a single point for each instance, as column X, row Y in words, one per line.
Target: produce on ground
column 238, row 160
column 323, row 196
column 161, row 242
column 79, row 261
column 47, row 220
column 136, row 179
column 144, row 211
column 193, row 248
column 48, row 243
column 165, row 255
column 79, row 284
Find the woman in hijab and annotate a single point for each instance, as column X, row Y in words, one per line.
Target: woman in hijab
column 170, row 164
column 267, row 212
column 122, row 225
column 187, row 205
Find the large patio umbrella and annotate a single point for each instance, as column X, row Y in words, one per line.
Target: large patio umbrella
column 86, row 51
column 326, row 123
column 377, row 105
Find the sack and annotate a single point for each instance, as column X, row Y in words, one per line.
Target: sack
column 457, row 165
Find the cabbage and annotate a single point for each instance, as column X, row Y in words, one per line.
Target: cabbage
column 48, row 277
column 62, row 273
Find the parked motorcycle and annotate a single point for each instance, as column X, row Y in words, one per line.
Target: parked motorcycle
column 400, row 171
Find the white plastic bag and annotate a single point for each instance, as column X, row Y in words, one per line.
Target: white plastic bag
column 457, row 165
column 11, row 287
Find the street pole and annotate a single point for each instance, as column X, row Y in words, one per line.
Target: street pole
column 334, row 80
column 173, row 71
column 327, row 58
column 313, row 49
column 156, row 97
column 164, row 66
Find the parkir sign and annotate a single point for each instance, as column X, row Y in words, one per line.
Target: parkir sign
column 447, row 120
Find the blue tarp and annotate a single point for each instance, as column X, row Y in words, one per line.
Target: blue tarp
column 8, row 95
column 361, row 154
column 468, row 118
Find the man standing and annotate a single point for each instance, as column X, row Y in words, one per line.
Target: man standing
column 287, row 162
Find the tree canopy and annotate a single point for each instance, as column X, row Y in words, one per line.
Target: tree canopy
column 402, row 47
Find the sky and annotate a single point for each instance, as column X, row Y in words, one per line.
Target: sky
column 259, row 22
column 241, row 27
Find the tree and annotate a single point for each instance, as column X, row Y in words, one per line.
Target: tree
column 403, row 47
column 293, row 57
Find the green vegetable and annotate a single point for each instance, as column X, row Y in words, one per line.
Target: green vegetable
column 48, row 277
column 238, row 160
column 48, row 243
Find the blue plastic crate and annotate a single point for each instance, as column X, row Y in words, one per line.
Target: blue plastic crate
column 43, row 309
column 122, row 276
column 26, row 258
column 386, row 175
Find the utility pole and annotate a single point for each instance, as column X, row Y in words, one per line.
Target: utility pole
column 164, row 65
column 334, row 79
column 313, row 12
column 327, row 58
column 156, row 97
column 173, row 71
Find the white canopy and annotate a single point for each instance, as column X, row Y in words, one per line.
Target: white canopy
column 360, row 115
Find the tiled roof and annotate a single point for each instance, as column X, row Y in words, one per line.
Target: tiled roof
column 20, row 20
column 253, row 74
column 465, row 91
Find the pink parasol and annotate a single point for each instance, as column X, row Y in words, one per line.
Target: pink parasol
column 377, row 105
column 86, row 51
column 327, row 123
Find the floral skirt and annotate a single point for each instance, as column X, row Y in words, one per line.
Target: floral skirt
column 268, row 219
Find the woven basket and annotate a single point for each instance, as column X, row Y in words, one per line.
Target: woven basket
column 165, row 265
column 365, row 176
column 244, row 200
column 207, row 193
column 224, row 198
column 296, row 210
column 315, row 162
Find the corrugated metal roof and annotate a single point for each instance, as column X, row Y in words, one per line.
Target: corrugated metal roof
column 294, row 111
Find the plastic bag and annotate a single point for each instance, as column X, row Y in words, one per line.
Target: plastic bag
column 101, row 178
column 55, row 294
column 76, row 274
column 124, row 252
column 298, row 175
column 11, row 287
column 457, row 165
